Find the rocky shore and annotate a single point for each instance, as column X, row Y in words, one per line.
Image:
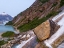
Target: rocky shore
column 19, row 39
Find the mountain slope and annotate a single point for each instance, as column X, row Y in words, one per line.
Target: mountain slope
column 31, row 17
column 36, row 10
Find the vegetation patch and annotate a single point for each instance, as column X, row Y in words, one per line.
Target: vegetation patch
column 8, row 34
column 54, row 4
column 35, row 22
column 38, row 40
column 61, row 3
column 30, row 25
column 9, row 23
column 2, row 42
column 44, row 1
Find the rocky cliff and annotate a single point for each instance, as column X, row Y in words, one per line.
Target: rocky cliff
column 37, row 9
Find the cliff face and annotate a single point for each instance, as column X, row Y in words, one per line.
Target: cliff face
column 38, row 9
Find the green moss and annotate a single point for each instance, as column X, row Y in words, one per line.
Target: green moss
column 44, row 1
column 61, row 3
column 9, row 23
column 8, row 34
column 35, row 22
column 54, row 4
column 38, row 40
column 2, row 42
column 29, row 25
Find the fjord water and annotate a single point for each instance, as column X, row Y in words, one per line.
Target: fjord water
column 4, row 28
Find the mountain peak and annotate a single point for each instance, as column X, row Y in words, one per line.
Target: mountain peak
column 4, row 13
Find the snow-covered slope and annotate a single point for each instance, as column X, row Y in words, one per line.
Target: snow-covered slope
column 4, row 18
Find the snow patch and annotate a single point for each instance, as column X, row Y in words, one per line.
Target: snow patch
column 58, row 16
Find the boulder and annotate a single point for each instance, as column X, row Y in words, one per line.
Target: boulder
column 43, row 30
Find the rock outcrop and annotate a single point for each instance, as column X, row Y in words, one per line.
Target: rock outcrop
column 46, row 29
column 43, row 31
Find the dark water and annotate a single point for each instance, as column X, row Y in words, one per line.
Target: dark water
column 14, row 46
column 4, row 28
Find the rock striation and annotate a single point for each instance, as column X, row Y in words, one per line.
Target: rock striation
column 37, row 9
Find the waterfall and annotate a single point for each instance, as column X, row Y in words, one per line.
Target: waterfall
column 59, row 32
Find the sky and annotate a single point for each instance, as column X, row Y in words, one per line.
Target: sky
column 14, row 7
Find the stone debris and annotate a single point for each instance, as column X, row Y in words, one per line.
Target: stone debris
column 23, row 36
column 18, row 40
column 28, row 36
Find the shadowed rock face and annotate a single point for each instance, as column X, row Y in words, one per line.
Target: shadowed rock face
column 43, row 31
column 54, row 27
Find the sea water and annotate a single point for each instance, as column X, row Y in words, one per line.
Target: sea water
column 4, row 28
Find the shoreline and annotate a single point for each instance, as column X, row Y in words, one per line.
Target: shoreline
column 16, row 30
column 1, row 34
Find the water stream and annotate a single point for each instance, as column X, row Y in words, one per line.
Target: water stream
column 59, row 32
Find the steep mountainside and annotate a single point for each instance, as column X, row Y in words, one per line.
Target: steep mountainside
column 38, row 9
column 37, row 13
